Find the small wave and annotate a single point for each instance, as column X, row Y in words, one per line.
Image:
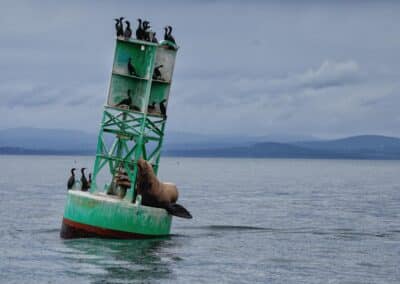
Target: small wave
column 234, row 228
column 350, row 233
column 38, row 231
column 338, row 232
column 57, row 230
column 225, row 228
column 368, row 264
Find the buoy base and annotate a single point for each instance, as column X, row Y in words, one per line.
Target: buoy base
column 88, row 215
column 73, row 230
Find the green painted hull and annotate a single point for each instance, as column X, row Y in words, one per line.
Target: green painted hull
column 98, row 214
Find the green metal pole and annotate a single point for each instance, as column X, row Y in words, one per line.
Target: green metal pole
column 96, row 167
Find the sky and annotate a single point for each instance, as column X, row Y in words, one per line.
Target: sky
column 326, row 69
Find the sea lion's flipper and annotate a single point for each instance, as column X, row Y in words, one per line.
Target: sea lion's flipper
column 178, row 211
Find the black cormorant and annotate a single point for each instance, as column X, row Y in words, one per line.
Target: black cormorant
column 116, row 26
column 119, row 26
column 128, row 100
column 90, row 179
column 152, row 107
column 146, row 30
column 139, row 30
column 128, row 31
column 157, row 72
column 84, row 182
column 71, row 180
column 170, row 37
column 163, row 110
column 131, row 68
column 154, row 39
column 166, row 33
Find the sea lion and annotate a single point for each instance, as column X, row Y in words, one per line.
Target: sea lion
column 158, row 194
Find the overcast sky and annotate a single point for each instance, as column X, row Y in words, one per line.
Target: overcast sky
column 253, row 68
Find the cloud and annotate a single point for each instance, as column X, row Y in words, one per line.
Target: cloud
column 35, row 96
column 29, row 95
column 246, row 68
column 334, row 99
column 329, row 74
column 236, row 89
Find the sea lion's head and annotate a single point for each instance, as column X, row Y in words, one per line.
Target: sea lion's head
column 145, row 167
column 142, row 166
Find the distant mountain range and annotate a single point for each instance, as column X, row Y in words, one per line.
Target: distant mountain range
column 31, row 141
column 73, row 140
column 356, row 147
column 48, row 139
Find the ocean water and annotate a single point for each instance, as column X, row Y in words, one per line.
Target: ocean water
column 255, row 221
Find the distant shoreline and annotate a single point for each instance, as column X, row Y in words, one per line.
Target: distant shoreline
column 188, row 154
column 32, row 152
column 362, row 147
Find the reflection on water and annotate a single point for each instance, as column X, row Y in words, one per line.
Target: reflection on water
column 123, row 261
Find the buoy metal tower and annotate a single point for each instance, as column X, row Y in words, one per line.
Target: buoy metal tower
column 132, row 127
column 134, row 117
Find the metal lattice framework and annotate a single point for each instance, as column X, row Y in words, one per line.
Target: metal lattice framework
column 133, row 131
column 126, row 135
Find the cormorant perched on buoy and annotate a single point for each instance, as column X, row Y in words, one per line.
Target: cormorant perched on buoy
column 71, row 180
column 128, row 31
column 119, row 26
column 146, row 30
column 157, row 72
column 131, row 68
column 163, row 110
column 166, row 33
column 128, row 100
column 151, row 108
column 154, row 39
column 84, row 182
column 139, row 30
column 116, row 25
column 170, row 37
